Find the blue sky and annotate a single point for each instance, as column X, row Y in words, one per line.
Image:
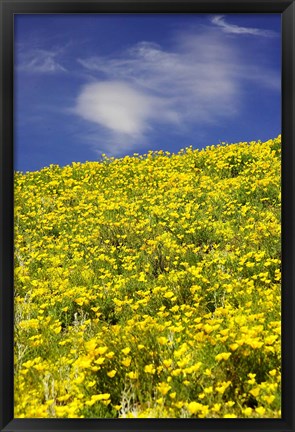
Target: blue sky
column 128, row 83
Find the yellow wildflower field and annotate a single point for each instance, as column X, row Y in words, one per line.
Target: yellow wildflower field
column 150, row 286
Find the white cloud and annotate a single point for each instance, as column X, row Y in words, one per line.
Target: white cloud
column 124, row 111
column 235, row 29
column 39, row 61
column 199, row 82
column 115, row 105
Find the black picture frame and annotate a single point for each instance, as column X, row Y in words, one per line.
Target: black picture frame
column 8, row 8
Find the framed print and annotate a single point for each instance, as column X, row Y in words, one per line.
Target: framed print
column 147, row 208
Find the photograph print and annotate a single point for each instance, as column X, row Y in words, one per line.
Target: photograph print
column 147, row 216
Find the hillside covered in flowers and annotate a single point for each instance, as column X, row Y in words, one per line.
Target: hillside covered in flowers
column 150, row 286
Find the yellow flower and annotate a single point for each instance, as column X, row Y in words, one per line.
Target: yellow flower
column 208, row 390
column 234, row 346
column 247, row 411
column 126, row 362
column 194, row 407
column 163, row 388
column 101, row 350
column 96, row 398
column 90, row 345
column 85, row 234
column 80, row 301
column 223, row 356
column 255, row 392
column 150, row 369
column 224, row 385
column 216, row 407
column 254, row 343
column 103, row 396
column 28, row 364
column 260, row 410
column 162, row 340
column 84, row 362
column 167, row 363
column 80, row 378
column 132, row 375
column 269, row 399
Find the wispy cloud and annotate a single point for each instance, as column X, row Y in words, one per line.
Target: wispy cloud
column 198, row 83
column 125, row 111
column 39, row 61
column 235, row 29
